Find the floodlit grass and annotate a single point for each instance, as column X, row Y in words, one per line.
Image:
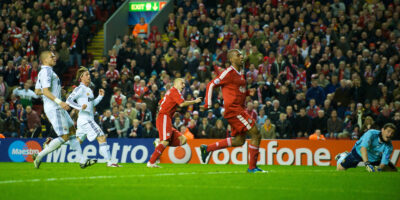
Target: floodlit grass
column 175, row 181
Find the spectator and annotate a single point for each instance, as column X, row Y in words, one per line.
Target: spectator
column 108, row 124
column 284, row 96
column 20, row 113
column 77, row 47
column 251, row 111
column 140, row 29
column 274, row 112
column 333, row 85
column 192, row 126
column 33, row 122
column 112, row 75
column 315, row 92
column 299, row 102
column 370, row 89
column 396, row 121
column 122, row 125
column 11, row 75
column 144, row 114
column 118, row 98
column 284, row 129
column 141, row 90
column 149, row 131
column 218, row 131
column 317, row 135
column 267, row 130
column 312, row 109
column 261, row 118
column 12, row 125
column 178, row 122
column 302, row 124
column 3, row 87
column 130, row 111
column 105, row 103
column 204, row 129
column 211, row 119
column 335, row 125
column 320, row 122
column 136, row 130
column 25, row 95
column 342, row 97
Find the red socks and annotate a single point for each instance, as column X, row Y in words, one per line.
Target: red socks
column 157, row 152
column 253, row 154
column 220, row 144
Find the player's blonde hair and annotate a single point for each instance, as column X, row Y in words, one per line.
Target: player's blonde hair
column 44, row 55
column 79, row 73
column 177, row 81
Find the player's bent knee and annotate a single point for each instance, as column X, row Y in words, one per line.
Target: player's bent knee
column 238, row 141
column 165, row 142
column 65, row 137
column 101, row 139
column 339, row 167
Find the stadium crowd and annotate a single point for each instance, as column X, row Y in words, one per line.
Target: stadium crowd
column 312, row 67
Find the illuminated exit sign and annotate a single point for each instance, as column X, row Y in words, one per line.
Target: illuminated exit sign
column 146, row 6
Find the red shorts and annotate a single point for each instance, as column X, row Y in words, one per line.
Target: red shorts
column 240, row 124
column 165, row 129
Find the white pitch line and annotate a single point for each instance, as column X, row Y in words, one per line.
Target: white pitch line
column 113, row 177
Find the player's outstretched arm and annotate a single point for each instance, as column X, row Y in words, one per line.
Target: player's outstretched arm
column 99, row 98
column 48, row 94
column 364, row 156
column 188, row 103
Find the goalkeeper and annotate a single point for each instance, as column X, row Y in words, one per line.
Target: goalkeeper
column 374, row 149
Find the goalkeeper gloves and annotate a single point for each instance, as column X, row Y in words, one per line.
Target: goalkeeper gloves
column 378, row 169
column 369, row 167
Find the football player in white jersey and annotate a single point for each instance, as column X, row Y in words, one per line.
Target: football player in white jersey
column 48, row 85
column 82, row 99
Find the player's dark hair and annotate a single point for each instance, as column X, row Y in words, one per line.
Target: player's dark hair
column 230, row 54
column 390, row 125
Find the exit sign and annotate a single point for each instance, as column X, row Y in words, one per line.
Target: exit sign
column 146, row 6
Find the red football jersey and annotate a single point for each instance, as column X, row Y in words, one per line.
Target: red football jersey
column 170, row 101
column 234, row 93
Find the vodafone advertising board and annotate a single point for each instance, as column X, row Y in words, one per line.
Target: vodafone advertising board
column 272, row 152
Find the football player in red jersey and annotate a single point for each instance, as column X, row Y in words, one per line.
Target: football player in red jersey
column 233, row 84
column 167, row 134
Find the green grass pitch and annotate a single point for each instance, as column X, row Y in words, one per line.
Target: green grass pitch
column 177, row 181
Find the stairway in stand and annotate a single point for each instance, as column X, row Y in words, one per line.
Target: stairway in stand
column 94, row 52
column 95, row 48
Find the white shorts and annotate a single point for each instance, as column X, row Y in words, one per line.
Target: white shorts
column 90, row 129
column 60, row 120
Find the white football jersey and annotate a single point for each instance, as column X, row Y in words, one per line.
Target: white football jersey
column 83, row 95
column 48, row 79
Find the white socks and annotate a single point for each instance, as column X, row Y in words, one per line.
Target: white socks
column 76, row 145
column 342, row 157
column 53, row 145
column 105, row 152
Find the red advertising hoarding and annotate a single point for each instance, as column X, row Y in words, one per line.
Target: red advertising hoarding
column 272, row 152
